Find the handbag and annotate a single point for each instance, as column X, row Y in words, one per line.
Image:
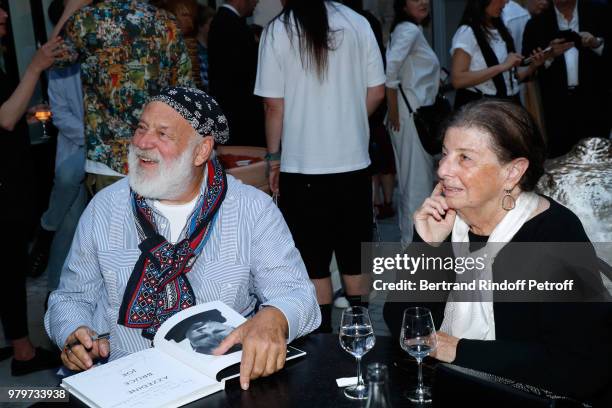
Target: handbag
column 428, row 121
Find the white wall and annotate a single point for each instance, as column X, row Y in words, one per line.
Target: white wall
column 23, row 33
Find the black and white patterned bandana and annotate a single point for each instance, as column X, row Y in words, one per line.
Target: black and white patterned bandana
column 198, row 108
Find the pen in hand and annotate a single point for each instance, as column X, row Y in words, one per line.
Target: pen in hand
column 103, row 336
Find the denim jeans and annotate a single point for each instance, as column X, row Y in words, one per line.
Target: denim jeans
column 68, row 180
column 63, row 238
column 66, row 204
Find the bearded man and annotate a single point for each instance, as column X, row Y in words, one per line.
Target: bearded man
column 179, row 231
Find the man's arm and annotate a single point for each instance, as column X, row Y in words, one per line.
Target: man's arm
column 289, row 308
column 72, row 305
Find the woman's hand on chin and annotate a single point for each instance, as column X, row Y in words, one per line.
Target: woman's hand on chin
column 435, row 219
column 446, row 348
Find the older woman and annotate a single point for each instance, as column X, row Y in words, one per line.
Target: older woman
column 493, row 156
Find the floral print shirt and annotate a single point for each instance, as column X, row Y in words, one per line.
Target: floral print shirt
column 128, row 50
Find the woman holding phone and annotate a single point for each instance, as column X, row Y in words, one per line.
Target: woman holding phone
column 484, row 58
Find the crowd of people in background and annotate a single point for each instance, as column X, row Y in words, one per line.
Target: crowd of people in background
column 335, row 107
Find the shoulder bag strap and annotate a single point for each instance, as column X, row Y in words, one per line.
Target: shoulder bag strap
column 405, row 99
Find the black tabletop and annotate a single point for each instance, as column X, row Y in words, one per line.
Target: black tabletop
column 310, row 382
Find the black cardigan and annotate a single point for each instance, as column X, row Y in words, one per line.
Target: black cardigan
column 563, row 347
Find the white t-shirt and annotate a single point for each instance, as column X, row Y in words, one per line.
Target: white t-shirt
column 571, row 56
column 464, row 38
column 411, row 61
column 177, row 216
column 515, row 18
column 325, row 124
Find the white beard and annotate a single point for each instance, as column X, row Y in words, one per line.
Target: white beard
column 169, row 181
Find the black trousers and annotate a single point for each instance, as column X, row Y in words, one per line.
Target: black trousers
column 15, row 184
column 13, row 301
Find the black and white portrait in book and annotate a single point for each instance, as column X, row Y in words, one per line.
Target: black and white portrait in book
column 202, row 332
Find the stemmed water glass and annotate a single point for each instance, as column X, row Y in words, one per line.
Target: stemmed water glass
column 43, row 114
column 356, row 338
column 418, row 338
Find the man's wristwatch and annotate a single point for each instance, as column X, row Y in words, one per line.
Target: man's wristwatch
column 273, row 156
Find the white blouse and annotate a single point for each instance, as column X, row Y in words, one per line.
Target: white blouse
column 412, row 62
column 464, row 38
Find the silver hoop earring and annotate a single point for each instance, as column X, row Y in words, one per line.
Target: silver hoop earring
column 508, row 202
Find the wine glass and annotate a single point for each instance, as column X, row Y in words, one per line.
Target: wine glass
column 418, row 338
column 357, row 338
column 43, row 114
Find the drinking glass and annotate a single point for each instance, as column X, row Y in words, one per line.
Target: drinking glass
column 43, row 114
column 418, row 338
column 356, row 338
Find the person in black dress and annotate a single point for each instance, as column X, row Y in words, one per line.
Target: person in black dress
column 492, row 158
column 14, row 195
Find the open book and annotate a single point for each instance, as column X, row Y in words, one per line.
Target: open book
column 178, row 370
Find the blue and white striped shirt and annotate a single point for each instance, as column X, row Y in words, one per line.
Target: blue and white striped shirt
column 249, row 256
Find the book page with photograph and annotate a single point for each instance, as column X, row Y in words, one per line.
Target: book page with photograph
column 146, row 379
column 191, row 336
column 180, row 368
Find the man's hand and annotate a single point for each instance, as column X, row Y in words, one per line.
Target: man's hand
column 264, row 344
column 82, row 355
column 589, row 40
column 446, row 348
column 559, row 46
